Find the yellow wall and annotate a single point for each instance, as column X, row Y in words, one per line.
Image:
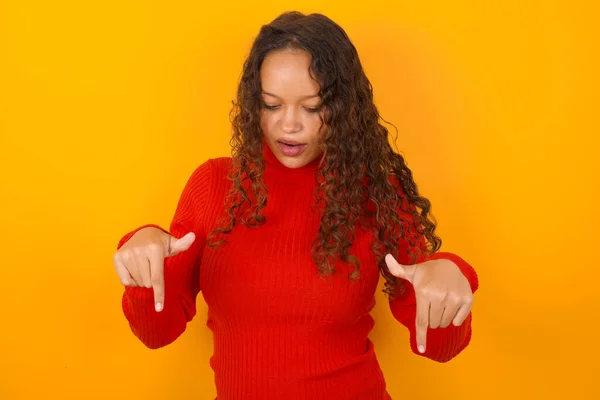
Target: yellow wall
column 106, row 109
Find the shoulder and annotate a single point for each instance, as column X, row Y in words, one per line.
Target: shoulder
column 209, row 181
column 220, row 165
column 213, row 169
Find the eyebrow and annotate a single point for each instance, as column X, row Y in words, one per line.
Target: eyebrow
column 305, row 97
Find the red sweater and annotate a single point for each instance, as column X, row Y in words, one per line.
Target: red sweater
column 280, row 331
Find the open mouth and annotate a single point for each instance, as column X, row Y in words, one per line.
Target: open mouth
column 290, row 148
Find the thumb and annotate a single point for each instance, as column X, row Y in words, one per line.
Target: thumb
column 179, row 245
column 397, row 269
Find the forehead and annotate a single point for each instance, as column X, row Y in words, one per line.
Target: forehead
column 286, row 74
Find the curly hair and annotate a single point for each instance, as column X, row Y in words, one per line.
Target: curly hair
column 389, row 203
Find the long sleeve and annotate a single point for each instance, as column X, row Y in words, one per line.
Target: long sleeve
column 443, row 344
column 181, row 272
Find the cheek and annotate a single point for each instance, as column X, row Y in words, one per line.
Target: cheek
column 265, row 123
column 317, row 128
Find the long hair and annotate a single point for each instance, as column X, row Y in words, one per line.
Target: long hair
column 389, row 202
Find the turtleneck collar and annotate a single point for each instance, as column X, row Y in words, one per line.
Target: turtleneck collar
column 271, row 160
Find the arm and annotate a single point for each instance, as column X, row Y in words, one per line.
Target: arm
column 181, row 272
column 443, row 344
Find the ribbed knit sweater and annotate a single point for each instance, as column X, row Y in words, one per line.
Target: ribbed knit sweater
column 280, row 331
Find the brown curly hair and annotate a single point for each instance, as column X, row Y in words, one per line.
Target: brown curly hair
column 354, row 136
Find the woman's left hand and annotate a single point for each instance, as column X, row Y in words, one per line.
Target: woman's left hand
column 442, row 292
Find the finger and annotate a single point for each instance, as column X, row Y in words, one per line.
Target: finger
column 449, row 314
column 395, row 268
column 133, row 282
column 143, row 265
column 462, row 313
column 422, row 322
column 435, row 314
column 179, row 245
column 122, row 272
column 131, row 266
column 401, row 271
column 157, row 267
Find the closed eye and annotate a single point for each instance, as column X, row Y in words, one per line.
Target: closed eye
column 274, row 107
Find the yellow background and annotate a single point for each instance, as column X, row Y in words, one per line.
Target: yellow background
column 107, row 107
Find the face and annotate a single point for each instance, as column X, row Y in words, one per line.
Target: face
column 290, row 119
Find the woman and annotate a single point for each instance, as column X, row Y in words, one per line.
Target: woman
column 287, row 238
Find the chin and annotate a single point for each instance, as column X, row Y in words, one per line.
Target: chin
column 292, row 162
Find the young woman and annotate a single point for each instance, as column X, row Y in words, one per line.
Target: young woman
column 286, row 239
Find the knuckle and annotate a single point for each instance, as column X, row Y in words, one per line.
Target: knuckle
column 440, row 296
column 422, row 321
column 155, row 247
column 455, row 299
column 428, row 292
column 156, row 280
column 466, row 300
column 126, row 256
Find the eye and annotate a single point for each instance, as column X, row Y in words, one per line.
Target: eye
column 268, row 107
column 312, row 110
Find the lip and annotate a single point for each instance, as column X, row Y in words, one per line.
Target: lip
column 291, row 151
column 290, row 142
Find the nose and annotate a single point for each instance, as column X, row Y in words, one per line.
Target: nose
column 291, row 121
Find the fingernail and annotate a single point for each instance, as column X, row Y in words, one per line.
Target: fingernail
column 421, row 348
column 158, row 307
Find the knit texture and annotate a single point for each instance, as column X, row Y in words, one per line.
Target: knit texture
column 280, row 330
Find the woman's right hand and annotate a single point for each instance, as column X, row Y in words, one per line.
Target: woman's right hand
column 140, row 261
